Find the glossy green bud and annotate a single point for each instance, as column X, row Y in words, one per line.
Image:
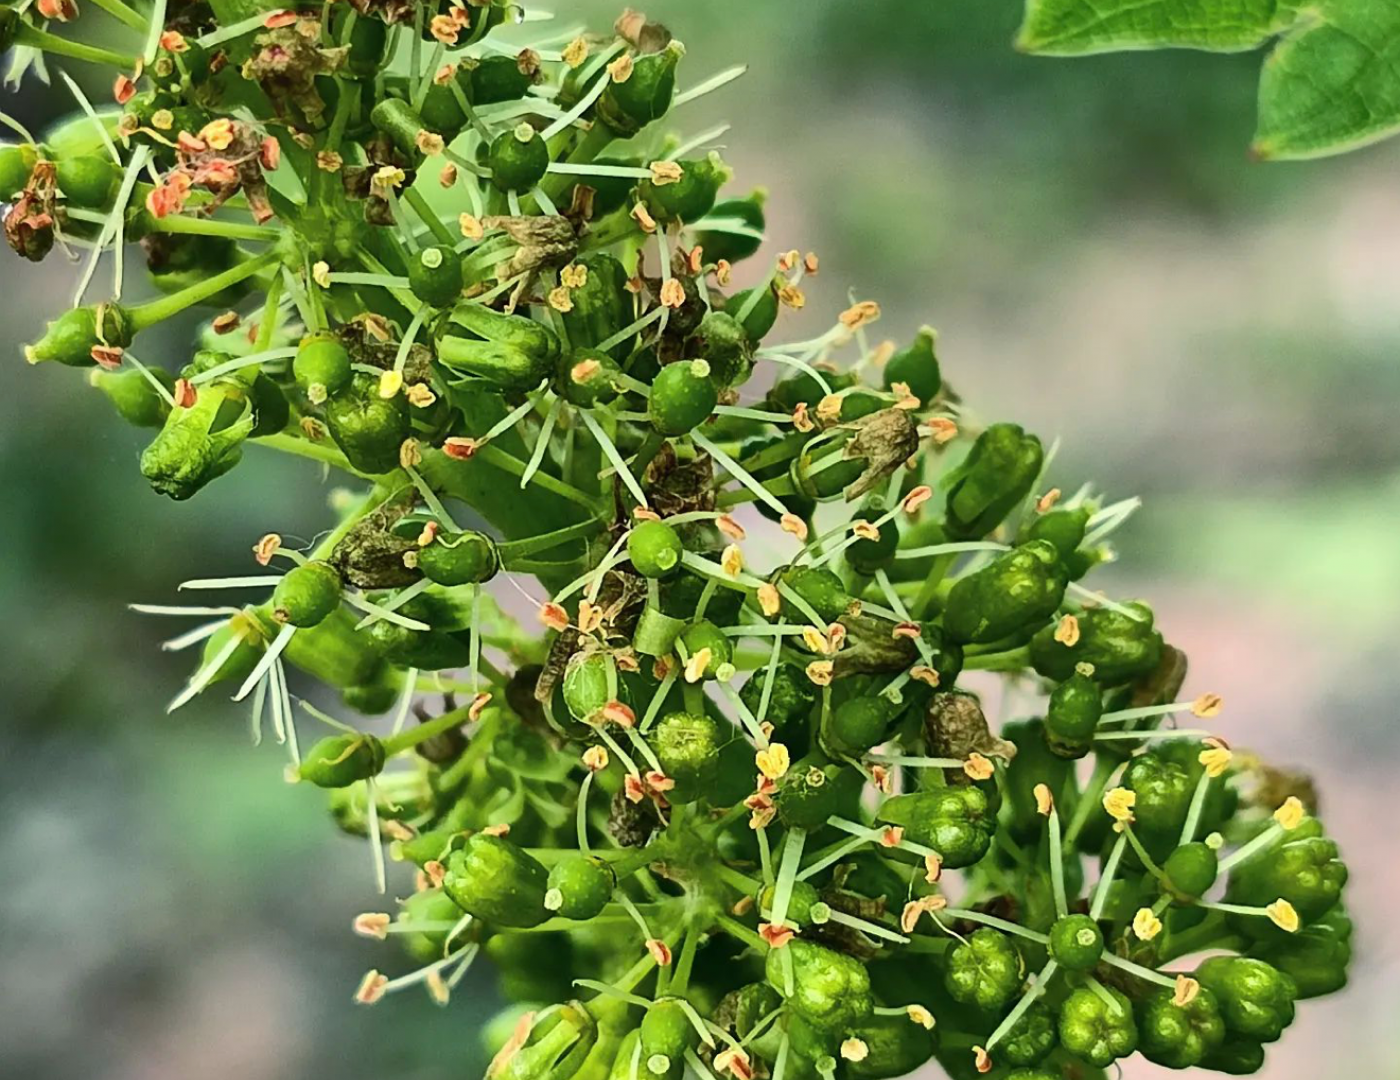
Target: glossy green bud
column 321, row 366
column 790, row 700
column 1179, row 1036
column 200, row 442
column 70, row 338
column 368, row 428
column 241, row 662
column 683, row 396
column 307, row 594
column 398, row 120
column 703, row 634
column 517, row 331
column 1020, row 589
column 858, row 723
column 806, row 798
column 16, row 165
column 602, row 306
column 723, row 344
column 755, row 309
column 1164, row 791
column 435, row 275
column 338, row 761
column 1064, row 528
column 830, row 990
column 1094, row 1029
column 730, row 246
column 655, row 549
column 995, row 478
column 894, row 1045
column 1255, row 998
column 985, row 971
column 1120, row 647
column 1076, row 942
column 580, row 886
column 627, row 107
column 1238, row 1057
column 493, row 879
column 1031, row 1038
column 518, row 159
column 917, row 367
column 666, row 1034
column 88, row 180
column 590, row 682
column 495, row 79
column 1316, row 957
column 135, row 398
column 587, row 378
column 801, row 900
column 1305, row 870
column 822, row 589
column 687, row 745
column 1191, row 870
column 460, row 558
column 869, row 556
column 956, row 822
column 1072, row 717
column 692, row 196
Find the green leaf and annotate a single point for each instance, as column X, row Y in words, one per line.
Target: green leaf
column 1330, row 83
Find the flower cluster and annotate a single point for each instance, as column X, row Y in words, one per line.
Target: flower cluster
column 722, row 794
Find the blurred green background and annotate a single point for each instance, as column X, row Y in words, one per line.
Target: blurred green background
column 1103, row 263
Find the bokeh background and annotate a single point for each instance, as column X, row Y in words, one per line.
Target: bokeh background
column 1103, row 263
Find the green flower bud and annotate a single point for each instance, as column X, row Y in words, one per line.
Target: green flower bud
column 732, row 247
column 724, row 345
column 307, row 594
column 1076, row 942
column 857, row 724
column 1191, row 870
column 790, row 701
column 986, row 970
column 995, row 478
column 687, row 745
column 518, row 159
column 435, row 275
column 321, row 366
column 1164, row 791
column 368, row 428
column 88, row 180
column 830, row 990
column 1255, row 998
column 460, row 558
column 200, row 442
column 338, row 761
column 587, row 378
column 72, row 336
column 517, row 353
column 496, row 79
column 590, row 682
column 894, row 1046
column 397, row 119
column 703, row 634
column 1179, row 1036
column 1303, row 869
column 1065, row 529
column 956, row 822
column 755, row 309
column 602, row 306
column 1238, row 1057
column 1120, row 647
column 683, row 395
column 1072, row 718
column 655, row 549
column 136, row 400
column 1031, row 1038
column 692, row 196
column 16, row 165
column 822, row 590
column 1015, row 591
column 645, row 95
column 580, row 886
column 1316, row 957
column 1094, row 1029
column 917, row 367
column 666, row 1034
column 807, row 798
column 495, row 880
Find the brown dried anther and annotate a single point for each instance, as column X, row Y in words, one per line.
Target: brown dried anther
column 286, row 64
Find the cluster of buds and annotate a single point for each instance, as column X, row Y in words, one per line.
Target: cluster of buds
column 721, row 796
